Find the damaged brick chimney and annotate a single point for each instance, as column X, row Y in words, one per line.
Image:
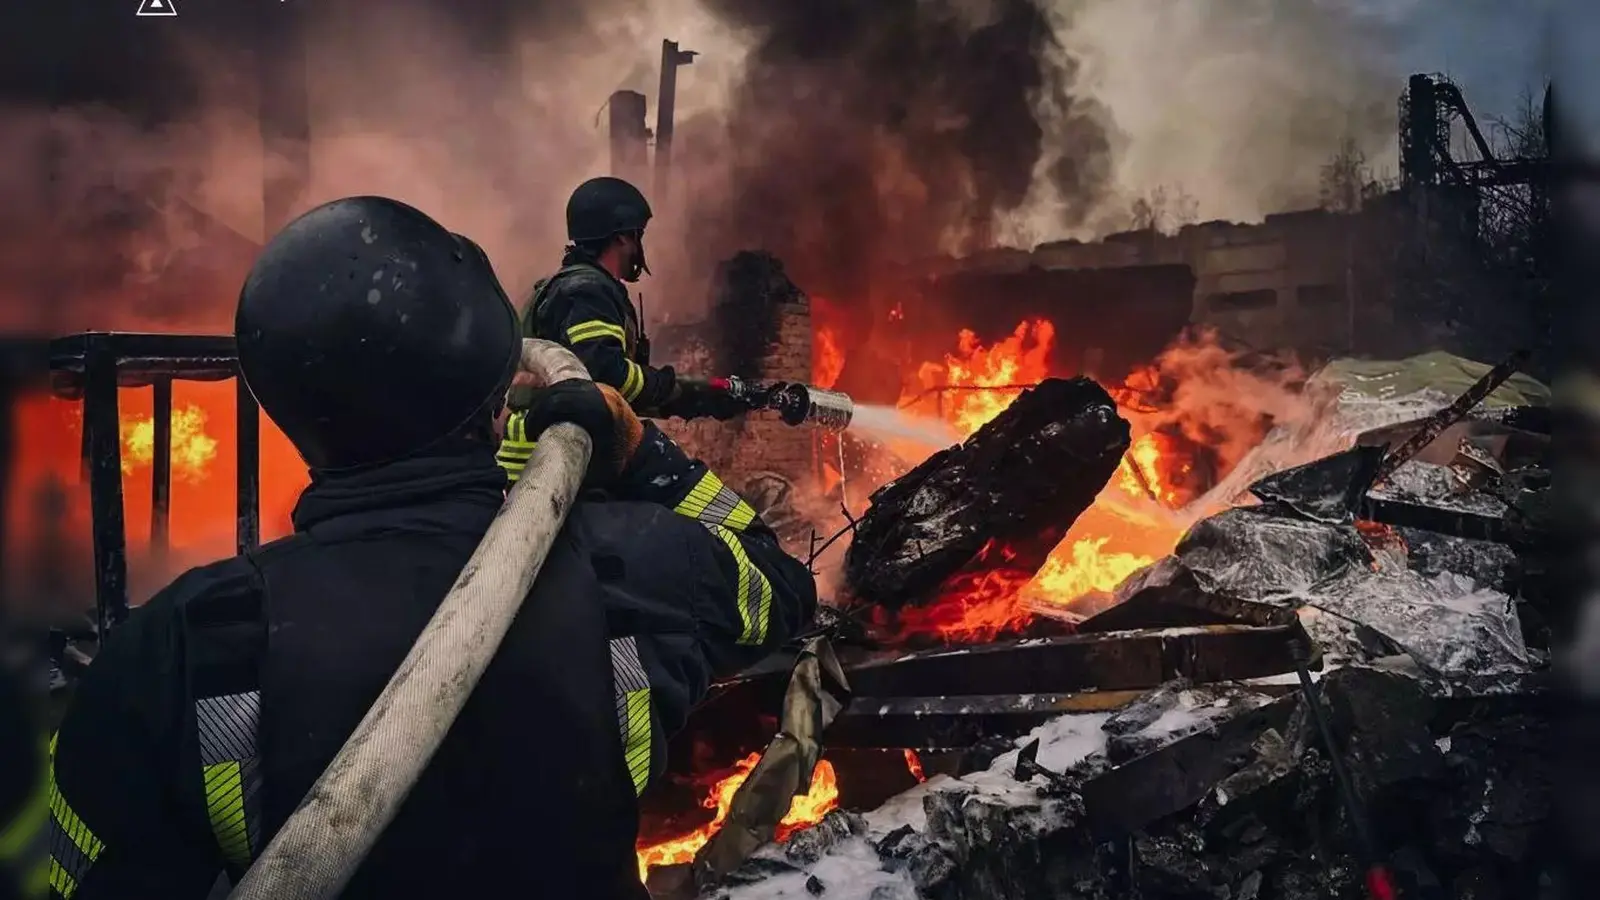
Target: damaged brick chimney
column 759, row 328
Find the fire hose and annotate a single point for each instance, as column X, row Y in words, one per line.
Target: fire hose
column 327, row 838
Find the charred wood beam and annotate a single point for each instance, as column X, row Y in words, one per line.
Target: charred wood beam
column 161, row 467
column 1455, row 523
column 945, row 723
column 247, row 447
column 1175, row 777
column 1015, row 486
column 103, row 444
column 94, row 366
column 1455, row 412
column 1128, row 660
column 141, row 359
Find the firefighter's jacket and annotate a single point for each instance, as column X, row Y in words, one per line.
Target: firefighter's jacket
column 24, row 798
column 587, row 310
column 211, row 712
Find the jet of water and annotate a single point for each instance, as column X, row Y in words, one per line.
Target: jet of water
column 886, row 423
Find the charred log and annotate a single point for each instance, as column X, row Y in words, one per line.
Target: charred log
column 1016, row 485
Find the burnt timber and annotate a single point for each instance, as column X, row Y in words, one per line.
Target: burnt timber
column 93, row 367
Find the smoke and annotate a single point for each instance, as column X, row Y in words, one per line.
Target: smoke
column 1218, row 398
column 844, row 137
column 1230, row 104
column 483, row 117
column 864, row 135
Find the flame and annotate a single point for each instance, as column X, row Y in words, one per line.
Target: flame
column 192, row 449
column 820, row 799
column 1384, row 542
column 827, row 359
column 914, row 763
column 1124, row 531
column 976, row 383
column 202, row 519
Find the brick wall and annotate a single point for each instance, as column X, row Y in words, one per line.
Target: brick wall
column 746, row 450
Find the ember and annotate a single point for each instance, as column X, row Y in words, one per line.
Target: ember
column 1383, row 540
column 818, row 801
column 914, row 764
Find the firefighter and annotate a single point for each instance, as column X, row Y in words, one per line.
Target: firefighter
column 212, row 711
column 585, row 305
column 24, row 796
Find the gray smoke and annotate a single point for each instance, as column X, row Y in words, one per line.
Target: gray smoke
column 843, row 136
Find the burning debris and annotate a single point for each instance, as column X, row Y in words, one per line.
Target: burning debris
column 1002, row 500
column 1171, row 753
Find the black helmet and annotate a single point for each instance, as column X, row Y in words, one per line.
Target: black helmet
column 602, row 207
column 368, row 332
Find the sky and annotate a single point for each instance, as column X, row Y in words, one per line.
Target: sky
column 1494, row 49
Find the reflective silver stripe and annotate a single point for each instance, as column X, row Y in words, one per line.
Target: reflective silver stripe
column 632, row 689
column 231, row 771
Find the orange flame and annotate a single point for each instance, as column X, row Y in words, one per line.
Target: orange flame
column 202, row 519
column 1105, row 545
column 192, row 448
column 914, row 763
column 820, row 799
column 827, row 359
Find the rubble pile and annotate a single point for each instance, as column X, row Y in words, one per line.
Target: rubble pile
column 1408, row 581
column 1457, row 791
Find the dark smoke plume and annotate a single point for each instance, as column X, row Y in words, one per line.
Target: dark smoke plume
column 866, row 134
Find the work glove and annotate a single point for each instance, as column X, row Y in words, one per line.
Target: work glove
column 695, row 398
column 599, row 410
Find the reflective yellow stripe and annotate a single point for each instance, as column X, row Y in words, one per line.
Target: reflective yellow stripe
column 226, row 728
column 57, row 877
column 516, row 449
column 633, row 382
column 73, row 847
column 715, row 503
column 632, row 688
column 636, row 746
column 754, row 590
column 594, row 330
column 225, row 806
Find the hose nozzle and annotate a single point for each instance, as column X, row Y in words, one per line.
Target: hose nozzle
column 795, row 403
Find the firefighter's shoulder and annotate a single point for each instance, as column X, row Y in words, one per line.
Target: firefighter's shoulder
column 147, row 655
column 586, row 282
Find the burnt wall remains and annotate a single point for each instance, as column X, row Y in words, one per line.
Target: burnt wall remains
column 759, row 328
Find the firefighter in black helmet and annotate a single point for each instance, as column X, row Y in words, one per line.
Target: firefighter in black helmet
column 585, row 304
column 383, row 345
